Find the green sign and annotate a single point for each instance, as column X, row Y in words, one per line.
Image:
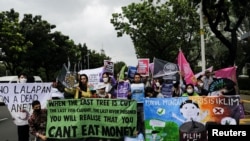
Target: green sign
column 91, row 117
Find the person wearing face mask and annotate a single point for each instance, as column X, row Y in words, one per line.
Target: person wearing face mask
column 20, row 117
column 22, row 78
column 37, row 121
column 190, row 91
column 200, row 88
column 107, row 82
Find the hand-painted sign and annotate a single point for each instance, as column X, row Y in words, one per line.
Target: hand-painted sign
column 165, row 117
column 92, row 117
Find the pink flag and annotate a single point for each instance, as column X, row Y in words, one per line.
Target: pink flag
column 229, row 73
column 202, row 72
column 185, row 69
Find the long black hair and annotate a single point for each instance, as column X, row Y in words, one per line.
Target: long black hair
column 82, row 86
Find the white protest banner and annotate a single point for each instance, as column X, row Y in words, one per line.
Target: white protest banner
column 19, row 96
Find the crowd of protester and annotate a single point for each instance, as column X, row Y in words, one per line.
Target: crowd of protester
column 107, row 88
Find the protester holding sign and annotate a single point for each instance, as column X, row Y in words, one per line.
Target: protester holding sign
column 21, row 116
column 101, row 91
column 37, row 121
column 123, row 88
column 83, row 88
column 137, row 93
column 107, row 82
column 137, row 89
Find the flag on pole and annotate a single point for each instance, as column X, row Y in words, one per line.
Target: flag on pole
column 229, row 73
column 164, row 68
column 185, row 69
column 121, row 74
column 210, row 69
column 63, row 75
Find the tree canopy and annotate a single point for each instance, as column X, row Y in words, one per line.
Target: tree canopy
column 224, row 18
column 159, row 28
column 31, row 46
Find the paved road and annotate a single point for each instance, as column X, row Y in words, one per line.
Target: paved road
column 246, row 104
column 8, row 130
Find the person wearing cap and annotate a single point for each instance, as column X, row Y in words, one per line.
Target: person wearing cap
column 101, row 93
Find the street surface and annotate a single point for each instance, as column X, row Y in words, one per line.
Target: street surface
column 246, row 104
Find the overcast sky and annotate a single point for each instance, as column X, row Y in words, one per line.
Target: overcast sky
column 84, row 21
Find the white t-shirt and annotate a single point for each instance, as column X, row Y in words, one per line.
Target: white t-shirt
column 21, row 118
column 56, row 93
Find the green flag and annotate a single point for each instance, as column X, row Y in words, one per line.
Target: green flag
column 121, row 74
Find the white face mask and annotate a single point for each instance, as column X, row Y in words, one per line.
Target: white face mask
column 224, row 90
column 190, row 91
column 105, row 79
column 157, row 84
column 23, row 80
column 200, row 84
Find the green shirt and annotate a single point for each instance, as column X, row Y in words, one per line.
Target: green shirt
column 194, row 94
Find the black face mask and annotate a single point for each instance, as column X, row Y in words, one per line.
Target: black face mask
column 37, row 110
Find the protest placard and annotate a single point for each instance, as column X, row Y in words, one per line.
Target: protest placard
column 165, row 118
column 92, row 117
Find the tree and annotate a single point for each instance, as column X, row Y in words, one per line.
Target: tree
column 12, row 41
column 118, row 66
column 159, row 29
column 31, row 46
column 48, row 50
column 224, row 18
column 243, row 52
